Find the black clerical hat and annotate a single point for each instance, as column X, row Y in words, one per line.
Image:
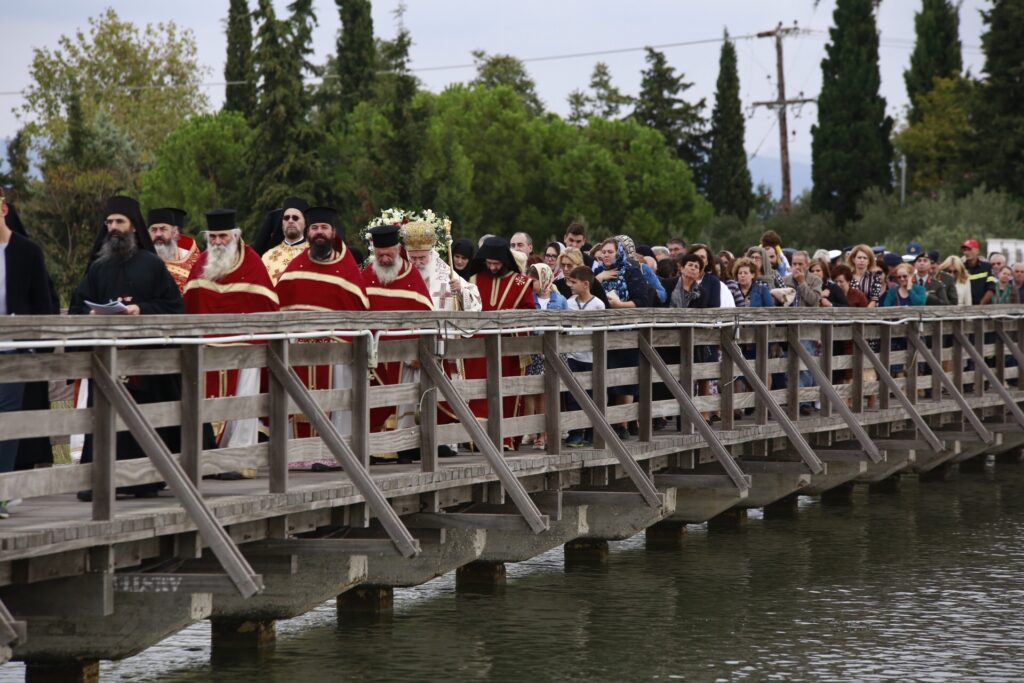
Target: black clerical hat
column 463, row 247
column 321, row 214
column 296, row 203
column 219, row 220
column 384, row 236
column 126, row 206
column 168, row 215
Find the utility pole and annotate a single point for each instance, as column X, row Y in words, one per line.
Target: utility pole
column 780, row 105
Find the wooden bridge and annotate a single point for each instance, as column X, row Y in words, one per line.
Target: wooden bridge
column 901, row 391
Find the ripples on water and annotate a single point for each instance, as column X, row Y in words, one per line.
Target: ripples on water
column 922, row 585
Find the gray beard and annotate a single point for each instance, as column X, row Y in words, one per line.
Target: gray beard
column 117, row 248
column 387, row 274
column 219, row 260
column 168, row 251
column 321, row 251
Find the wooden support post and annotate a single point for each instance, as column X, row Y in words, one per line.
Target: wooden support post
column 599, row 381
column 792, row 372
column 826, row 363
column 279, row 426
column 911, row 366
column 857, row 333
column 645, row 387
column 428, row 411
column 360, row 439
column 1000, row 353
column 495, row 395
column 104, row 438
column 885, row 355
column 958, row 358
column 193, row 384
column 686, row 374
column 552, row 397
column 726, row 380
column 979, row 346
column 936, row 346
column 761, row 357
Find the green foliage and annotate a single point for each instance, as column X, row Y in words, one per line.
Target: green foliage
column 938, row 144
column 146, row 82
column 936, row 50
column 660, row 105
column 284, row 158
column 850, row 147
column 605, row 101
column 17, row 176
column 999, row 105
column 356, row 58
column 240, row 93
column 200, row 166
column 493, row 71
column 728, row 176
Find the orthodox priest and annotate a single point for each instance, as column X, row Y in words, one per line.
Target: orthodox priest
column 229, row 277
column 448, row 290
column 178, row 251
column 392, row 284
column 502, row 287
column 124, row 267
column 324, row 277
column 289, row 239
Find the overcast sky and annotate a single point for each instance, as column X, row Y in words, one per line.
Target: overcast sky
column 444, row 32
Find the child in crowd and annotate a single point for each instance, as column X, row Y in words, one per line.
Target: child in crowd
column 580, row 280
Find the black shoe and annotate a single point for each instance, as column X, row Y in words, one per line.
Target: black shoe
column 806, row 410
column 444, row 451
column 622, row 433
column 634, row 428
column 374, row 460
column 150, row 493
column 713, row 419
column 658, row 423
column 408, row 456
column 226, row 476
column 320, row 467
column 85, row 496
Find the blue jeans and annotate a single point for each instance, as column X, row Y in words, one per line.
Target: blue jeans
column 10, row 401
column 586, row 434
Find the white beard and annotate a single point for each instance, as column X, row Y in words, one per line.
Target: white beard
column 219, row 260
column 387, row 274
column 168, row 251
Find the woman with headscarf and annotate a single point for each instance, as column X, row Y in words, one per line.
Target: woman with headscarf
column 658, row 294
column 545, row 298
column 567, row 261
column 552, row 252
column 462, row 254
column 625, row 287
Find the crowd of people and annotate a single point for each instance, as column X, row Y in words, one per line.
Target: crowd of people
column 299, row 261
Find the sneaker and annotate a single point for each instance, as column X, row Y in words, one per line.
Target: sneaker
column 4, row 514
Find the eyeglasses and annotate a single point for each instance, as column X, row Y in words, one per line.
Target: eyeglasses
column 294, row 217
column 551, row 256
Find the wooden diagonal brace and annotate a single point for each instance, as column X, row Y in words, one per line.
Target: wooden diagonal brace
column 825, row 385
column 12, row 632
column 814, row 464
column 600, row 425
column 1015, row 350
column 883, row 374
column 223, row 547
column 691, row 413
column 514, row 487
column 986, row 371
column 356, row 472
column 965, row 407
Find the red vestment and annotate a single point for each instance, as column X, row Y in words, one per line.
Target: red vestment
column 181, row 268
column 407, row 292
column 511, row 291
column 308, row 285
column 246, row 288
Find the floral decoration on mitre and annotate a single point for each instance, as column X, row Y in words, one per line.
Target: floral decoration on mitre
column 420, row 230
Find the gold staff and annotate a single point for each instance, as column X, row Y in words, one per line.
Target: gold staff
column 451, row 263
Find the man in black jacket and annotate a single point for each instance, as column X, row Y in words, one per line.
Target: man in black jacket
column 24, row 290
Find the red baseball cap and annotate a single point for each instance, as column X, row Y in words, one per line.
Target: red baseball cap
column 970, row 244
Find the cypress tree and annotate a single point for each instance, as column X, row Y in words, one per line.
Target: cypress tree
column 936, row 50
column 999, row 104
column 729, row 184
column 850, row 146
column 660, row 106
column 283, row 158
column 395, row 93
column 240, row 93
column 356, row 59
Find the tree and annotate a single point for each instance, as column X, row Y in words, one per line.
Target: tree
column 936, row 50
column 937, row 145
column 999, row 105
column 605, row 101
column 729, row 184
column 495, row 70
column 240, row 91
column 201, row 165
column 283, row 158
column 660, row 106
column 850, row 146
column 146, row 82
column 17, row 175
column 356, row 59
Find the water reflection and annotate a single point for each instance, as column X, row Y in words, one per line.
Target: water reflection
column 923, row 584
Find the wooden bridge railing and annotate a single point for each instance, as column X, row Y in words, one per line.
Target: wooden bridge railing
column 939, row 352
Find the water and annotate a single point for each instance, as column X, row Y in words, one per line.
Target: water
column 923, row 585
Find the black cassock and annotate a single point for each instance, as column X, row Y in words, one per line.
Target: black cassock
column 142, row 280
